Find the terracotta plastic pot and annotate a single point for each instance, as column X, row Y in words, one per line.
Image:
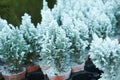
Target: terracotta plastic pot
column 60, row 77
column 77, row 68
column 18, row 76
column 31, row 69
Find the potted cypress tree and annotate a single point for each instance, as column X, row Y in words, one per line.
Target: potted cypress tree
column 47, row 17
column 55, row 52
column 78, row 35
column 12, row 48
column 70, row 18
column 105, row 55
column 34, row 39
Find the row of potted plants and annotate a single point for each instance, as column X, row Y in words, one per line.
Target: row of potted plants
column 64, row 41
column 80, row 24
column 18, row 47
column 58, row 42
column 26, row 46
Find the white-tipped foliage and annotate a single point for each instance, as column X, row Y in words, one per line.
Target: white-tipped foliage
column 98, row 15
column 102, row 25
column 105, row 55
column 12, row 48
column 47, row 16
column 77, row 32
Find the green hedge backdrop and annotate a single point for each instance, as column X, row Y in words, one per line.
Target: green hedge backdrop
column 12, row 10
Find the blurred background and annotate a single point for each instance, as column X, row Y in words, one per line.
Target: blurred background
column 12, row 10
